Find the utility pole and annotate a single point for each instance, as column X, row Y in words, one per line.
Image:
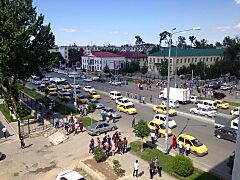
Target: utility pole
column 75, row 94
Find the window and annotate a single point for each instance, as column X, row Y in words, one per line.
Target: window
column 188, row 142
column 195, row 59
column 185, row 60
column 196, row 143
column 192, row 59
column 180, row 60
column 206, row 59
column 158, row 60
column 188, row 60
column 177, row 61
column 181, row 139
column 151, row 124
column 235, row 124
column 106, row 125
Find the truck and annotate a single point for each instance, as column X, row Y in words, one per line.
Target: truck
column 178, row 94
column 225, row 120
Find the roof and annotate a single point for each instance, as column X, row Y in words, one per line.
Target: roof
column 132, row 54
column 189, row 137
column 105, row 54
column 177, row 52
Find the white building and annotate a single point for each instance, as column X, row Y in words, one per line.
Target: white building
column 98, row 60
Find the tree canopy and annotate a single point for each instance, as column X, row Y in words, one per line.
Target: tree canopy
column 139, row 40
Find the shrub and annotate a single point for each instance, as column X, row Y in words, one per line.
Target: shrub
column 218, row 95
column 117, row 168
column 99, row 155
column 182, row 166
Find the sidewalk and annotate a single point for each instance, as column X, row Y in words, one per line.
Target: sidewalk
column 127, row 160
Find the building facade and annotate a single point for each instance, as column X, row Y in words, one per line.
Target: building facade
column 135, row 56
column 183, row 57
column 98, row 60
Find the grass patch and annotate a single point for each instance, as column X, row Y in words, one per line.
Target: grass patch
column 166, row 161
column 63, row 109
column 29, row 116
column 86, row 121
column 5, row 111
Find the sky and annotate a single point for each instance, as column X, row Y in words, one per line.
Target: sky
column 117, row 22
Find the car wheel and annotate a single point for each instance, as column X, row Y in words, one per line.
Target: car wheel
column 113, row 128
column 218, row 136
column 98, row 133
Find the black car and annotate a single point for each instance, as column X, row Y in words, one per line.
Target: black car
column 226, row 133
column 102, row 80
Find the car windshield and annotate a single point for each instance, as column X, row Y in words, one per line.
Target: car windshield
column 94, row 93
column 130, row 106
column 196, row 143
column 162, row 126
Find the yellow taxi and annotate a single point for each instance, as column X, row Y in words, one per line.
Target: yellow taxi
column 52, row 90
column 196, row 147
column 158, row 124
column 94, row 95
column 222, row 105
column 127, row 108
column 162, row 109
column 64, row 95
column 82, row 99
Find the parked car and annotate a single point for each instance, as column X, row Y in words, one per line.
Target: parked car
column 162, row 109
column 115, row 114
column 196, row 147
column 161, row 126
column 75, row 85
column 95, row 78
column 82, row 99
column 88, row 88
column 89, row 79
column 101, row 127
column 127, row 108
column 70, row 175
column 226, row 133
column 222, row 105
column 194, row 99
column 162, row 118
column 172, row 104
column 115, row 95
column 204, row 111
column 102, row 80
column 225, row 87
column 235, row 111
column 99, row 105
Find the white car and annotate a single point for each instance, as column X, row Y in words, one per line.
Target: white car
column 193, row 99
column 162, row 118
column 204, row 111
column 95, row 78
column 69, row 175
column 116, row 83
column 172, row 104
column 235, row 111
column 88, row 88
column 77, row 85
column 225, row 87
column 123, row 101
column 88, row 79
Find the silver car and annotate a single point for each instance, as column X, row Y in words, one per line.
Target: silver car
column 101, row 127
column 99, row 105
column 114, row 113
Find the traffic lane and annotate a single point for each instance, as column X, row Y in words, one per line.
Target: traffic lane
column 218, row 149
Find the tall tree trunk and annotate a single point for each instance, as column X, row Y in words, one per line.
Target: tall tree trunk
column 142, row 146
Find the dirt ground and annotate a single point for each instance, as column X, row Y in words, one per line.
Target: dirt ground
column 103, row 167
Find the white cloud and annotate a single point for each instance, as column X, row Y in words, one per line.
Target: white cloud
column 223, row 28
column 114, row 32
column 237, row 26
column 69, row 30
column 237, row 2
column 125, row 33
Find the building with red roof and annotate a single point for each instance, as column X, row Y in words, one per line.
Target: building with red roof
column 135, row 56
column 96, row 61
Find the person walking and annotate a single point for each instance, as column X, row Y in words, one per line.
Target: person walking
column 187, row 148
column 81, row 126
column 22, row 142
column 180, row 146
column 56, row 120
column 133, row 122
column 4, row 130
column 76, row 127
column 157, row 165
column 125, row 142
column 151, row 169
column 135, row 168
column 143, row 100
column 174, row 142
column 153, row 136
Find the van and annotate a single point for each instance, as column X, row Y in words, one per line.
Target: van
column 205, row 104
column 115, row 95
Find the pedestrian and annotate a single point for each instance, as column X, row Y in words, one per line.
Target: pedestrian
column 125, row 142
column 151, row 99
column 157, row 165
column 81, row 126
column 174, row 142
column 153, row 137
column 180, row 146
column 135, row 168
column 4, row 130
column 120, row 147
column 133, row 122
column 187, row 148
column 76, row 128
column 98, row 142
column 91, row 146
column 56, row 120
column 22, row 142
column 151, row 169
column 73, row 128
column 143, row 100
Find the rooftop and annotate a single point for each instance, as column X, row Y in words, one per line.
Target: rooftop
column 105, row 54
column 132, row 54
column 177, row 52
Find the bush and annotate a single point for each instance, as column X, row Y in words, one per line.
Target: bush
column 182, row 166
column 99, row 155
column 218, row 95
column 117, row 168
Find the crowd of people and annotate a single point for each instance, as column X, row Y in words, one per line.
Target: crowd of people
column 110, row 145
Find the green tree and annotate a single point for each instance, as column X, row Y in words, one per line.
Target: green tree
column 56, row 58
column 192, row 39
column 99, row 155
column 138, row 40
column 73, row 56
column 106, row 69
column 142, row 130
column 163, row 67
column 181, row 42
column 163, row 36
column 182, row 166
column 91, row 108
column 24, row 44
column 144, row 68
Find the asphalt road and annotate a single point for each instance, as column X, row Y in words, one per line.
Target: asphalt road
column 219, row 150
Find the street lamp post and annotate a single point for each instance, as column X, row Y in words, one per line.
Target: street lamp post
column 75, row 94
column 168, row 80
